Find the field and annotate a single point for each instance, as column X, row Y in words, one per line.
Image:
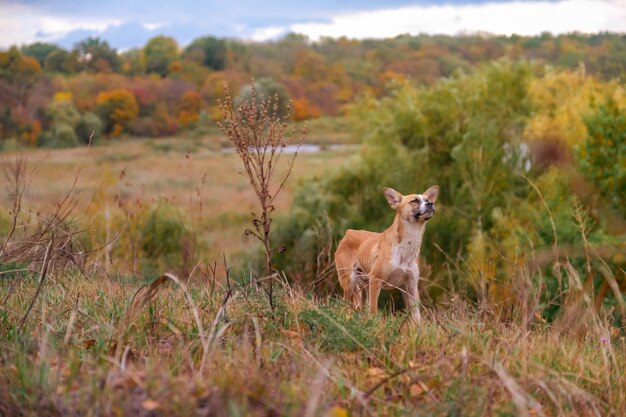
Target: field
column 106, row 347
column 84, row 343
column 199, row 176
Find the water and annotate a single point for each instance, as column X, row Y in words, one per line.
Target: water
column 304, row 148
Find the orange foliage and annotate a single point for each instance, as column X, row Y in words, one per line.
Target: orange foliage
column 191, row 104
column 303, row 109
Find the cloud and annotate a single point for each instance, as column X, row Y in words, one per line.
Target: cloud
column 20, row 24
column 506, row 18
column 270, row 32
column 126, row 24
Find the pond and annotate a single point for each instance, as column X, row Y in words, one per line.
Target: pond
column 306, row 148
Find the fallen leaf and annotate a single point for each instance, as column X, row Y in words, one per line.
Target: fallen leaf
column 149, row 404
column 375, row 372
column 416, row 390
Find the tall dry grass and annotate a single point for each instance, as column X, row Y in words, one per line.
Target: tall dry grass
column 79, row 340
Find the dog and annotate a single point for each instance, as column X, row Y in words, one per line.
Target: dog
column 389, row 259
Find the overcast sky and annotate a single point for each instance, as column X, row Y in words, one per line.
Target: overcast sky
column 130, row 23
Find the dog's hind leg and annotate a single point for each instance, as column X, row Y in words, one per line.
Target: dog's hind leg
column 344, row 271
column 375, row 285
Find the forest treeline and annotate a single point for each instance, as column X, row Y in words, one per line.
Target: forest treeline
column 50, row 96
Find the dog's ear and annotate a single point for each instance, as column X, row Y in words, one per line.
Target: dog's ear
column 393, row 197
column 432, row 193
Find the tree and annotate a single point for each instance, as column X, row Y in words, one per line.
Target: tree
column 303, row 109
column 117, row 109
column 19, row 73
column 62, row 61
column 191, row 104
column 602, row 157
column 159, row 53
column 97, row 56
column 39, row 51
column 133, row 62
column 266, row 88
column 208, row 51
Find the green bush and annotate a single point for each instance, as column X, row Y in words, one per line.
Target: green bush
column 63, row 136
column 602, row 157
column 267, row 88
column 162, row 235
column 89, row 124
column 64, row 113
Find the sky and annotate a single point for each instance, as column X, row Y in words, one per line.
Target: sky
column 130, row 23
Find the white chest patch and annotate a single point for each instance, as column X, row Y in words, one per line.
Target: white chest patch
column 403, row 263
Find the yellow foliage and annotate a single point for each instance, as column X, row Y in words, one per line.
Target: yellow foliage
column 62, row 97
column 119, row 108
column 562, row 99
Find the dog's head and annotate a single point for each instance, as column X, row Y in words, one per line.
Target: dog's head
column 413, row 207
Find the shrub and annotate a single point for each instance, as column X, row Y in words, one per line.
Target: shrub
column 117, row 108
column 191, row 105
column 144, row 126
column 266, row 88
column 162, row 236
column 63, row 136
column 602, row 157
column 89, row 124
column 63, row 112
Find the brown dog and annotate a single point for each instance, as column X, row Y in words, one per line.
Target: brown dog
column 389, row 259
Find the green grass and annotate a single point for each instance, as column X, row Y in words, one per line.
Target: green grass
column 85, row 351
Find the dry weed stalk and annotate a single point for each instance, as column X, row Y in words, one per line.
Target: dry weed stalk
column 258, row 133
column 44, row 243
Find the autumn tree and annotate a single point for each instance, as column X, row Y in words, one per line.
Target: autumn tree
column 208, row 51
column 133, row 62
column 18, row 73
column 303, row 109
column 159, row 53
column 62, row 61
column 191, row 104
column 117, row 109
column 39, row 51
column 96, row 55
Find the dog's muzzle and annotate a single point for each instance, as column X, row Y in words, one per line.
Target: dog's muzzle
column 425, row 214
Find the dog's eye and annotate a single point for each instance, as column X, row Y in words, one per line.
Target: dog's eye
column 415, row 200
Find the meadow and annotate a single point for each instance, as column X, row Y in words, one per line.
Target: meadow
column 107, row 341
column 201, row 178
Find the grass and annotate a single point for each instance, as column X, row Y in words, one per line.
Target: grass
column 192, row 174
column 83, row 341
column 104, row 347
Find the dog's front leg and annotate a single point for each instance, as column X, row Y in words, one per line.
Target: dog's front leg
column 411, row 298
column 375, row 285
